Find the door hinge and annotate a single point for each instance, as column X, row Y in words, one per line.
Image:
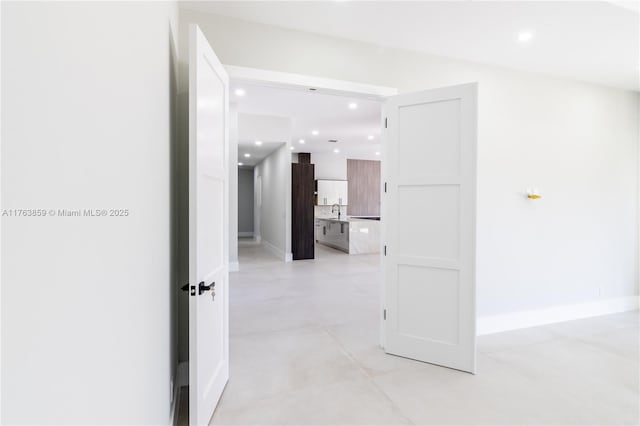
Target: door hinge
column 385, row 250
column 384, row 314
column 385, row 187
column 385, row 123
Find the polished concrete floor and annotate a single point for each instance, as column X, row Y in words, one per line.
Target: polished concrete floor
column 304, row 351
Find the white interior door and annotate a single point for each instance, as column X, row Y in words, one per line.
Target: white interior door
column 430, row 231
column 208, row 229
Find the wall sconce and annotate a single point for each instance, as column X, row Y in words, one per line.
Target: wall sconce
column 533, row 194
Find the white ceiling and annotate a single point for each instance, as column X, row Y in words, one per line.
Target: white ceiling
column 271, row 131
column 257, row 153
column 590, row 41
column 307, row 110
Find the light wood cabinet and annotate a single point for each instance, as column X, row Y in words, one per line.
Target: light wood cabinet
column 364, row 187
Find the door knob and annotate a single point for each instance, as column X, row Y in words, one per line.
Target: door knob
column 202, row 288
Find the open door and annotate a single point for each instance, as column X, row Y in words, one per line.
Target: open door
column 208, row 230
column 430, row 213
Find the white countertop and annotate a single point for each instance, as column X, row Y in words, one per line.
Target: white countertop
column 348, row 219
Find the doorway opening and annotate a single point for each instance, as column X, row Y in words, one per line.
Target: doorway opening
column 426, row 296
column 338, row 139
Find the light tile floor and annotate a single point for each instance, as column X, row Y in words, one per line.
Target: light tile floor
column 304, row 351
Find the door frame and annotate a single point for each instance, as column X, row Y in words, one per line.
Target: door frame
column 284, row 80
column 291, row 81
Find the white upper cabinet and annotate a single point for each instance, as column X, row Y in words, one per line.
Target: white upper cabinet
column 332, row 192
column 341, row 192
column 324, row 192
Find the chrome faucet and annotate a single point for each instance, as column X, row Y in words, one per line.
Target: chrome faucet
column 333, row 209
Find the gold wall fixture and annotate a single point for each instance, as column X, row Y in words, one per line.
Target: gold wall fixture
column 533, row 194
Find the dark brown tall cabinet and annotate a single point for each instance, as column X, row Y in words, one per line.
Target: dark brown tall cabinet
column 302, row 215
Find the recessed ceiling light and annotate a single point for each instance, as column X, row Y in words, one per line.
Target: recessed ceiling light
column 353, row 105
column 524, row 36
column 240, row 92
column 315, row 132
column 292, row 148
column 370, row 137
column 240, row 164
column 247, row 155
column 377, row 153
column 336, row 150
column 301, row 141
column 258, row 143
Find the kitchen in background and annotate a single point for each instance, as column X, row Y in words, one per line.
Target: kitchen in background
column 347, row 213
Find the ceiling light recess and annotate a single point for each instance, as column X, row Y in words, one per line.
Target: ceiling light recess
column 525, row 36
column 301, row 141
column 315, row 132
column 247, row 155
column 336, row 150
column 240, row 164
column 353, row 105
column 240, row 92
column 258, row 143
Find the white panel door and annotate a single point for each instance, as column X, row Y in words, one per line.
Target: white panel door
column 208, row 229
column 430, row 231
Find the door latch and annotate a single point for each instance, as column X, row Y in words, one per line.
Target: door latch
column 202, row 288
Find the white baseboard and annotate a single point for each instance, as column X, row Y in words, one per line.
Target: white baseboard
column 275, row 250
column 245, row 234
column 532, row 318
column 234, row 266
column 288, row 257
column 257, row 238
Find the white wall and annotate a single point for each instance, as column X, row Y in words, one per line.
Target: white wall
column 577, row 142
column 245, row 201
column 88, row 97
column 274, row 208
column 330, row 166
